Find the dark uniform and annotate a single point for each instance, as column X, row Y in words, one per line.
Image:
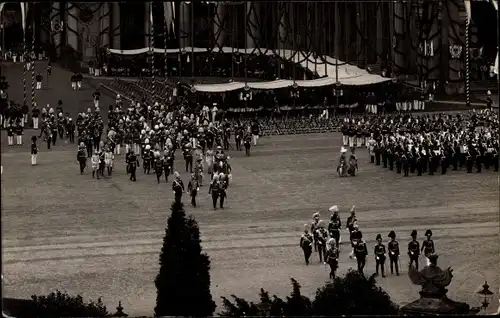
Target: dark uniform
column 133, row 163
column 178, row 188
column 193, row 187
column 321, row 238
column 334, row 228
column 306, row 243
column 158, row 168
column 428, row 245
column 414, row 249
column 393, row 247
column 380, row 254
column 82, row 159
column 214, row 190
column 361, row 252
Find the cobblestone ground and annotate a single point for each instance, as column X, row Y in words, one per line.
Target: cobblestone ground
column 103, row 237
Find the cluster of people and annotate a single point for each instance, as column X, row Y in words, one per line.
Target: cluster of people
column 427, row 144
column 326, row 241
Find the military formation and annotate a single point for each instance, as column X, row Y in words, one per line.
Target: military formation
column 326, row 241
column 428, row 144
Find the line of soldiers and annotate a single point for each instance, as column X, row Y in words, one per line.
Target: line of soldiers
column 326, row 241
column 428, row 143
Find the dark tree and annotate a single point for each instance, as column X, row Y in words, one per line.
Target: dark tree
column 58, row 304
column 183, row 282
column 353, row 294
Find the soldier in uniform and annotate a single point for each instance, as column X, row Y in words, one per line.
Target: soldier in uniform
column 178, row 187
column 314, row 227
column 377, row 151
column 188, row 157
column 146, row 159
column 214, row 190
column 360, row 251
column 321, row 238
column 414, row 249
column 158, row 166
column 393, row 247
column 335, row 225
column 351, row 219
column 198, row 171
column 380, row 254
column 406, row 165
column 95, row 164
column 384, row 155
column 332, row 256
column 193, row 188
column 223, row 181
column 81, row 157
column 428, row 246
column 306, row 243
column 355, row 238
column 34, row 150
column 133, row 163
column 247, row 142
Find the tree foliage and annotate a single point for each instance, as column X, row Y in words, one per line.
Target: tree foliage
column 183, row 282
column 59, row 304
column 353, row 294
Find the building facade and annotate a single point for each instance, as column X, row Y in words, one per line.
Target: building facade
column 417, row 40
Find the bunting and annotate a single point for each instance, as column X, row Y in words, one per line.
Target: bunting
column 24, row 14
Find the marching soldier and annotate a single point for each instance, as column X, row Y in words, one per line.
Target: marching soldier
column 335, row 225
column 428, row 246
column 414, row 249
column 393, row 248
column 222, row 189
column 188, row 157
column 133, row 163
column 178, row 187
column 214, row 190
column 355, row 238
column 321, row 238
column 380, row 254
column 332, row 257
column 158, row 167
column 306, row 243
column 360, row 251
column 193, row 188
column 247, row 142
column 34, row 150
column 82, row 157
column 95, row 164
column 314, row 227
column 351, row 219
column 406, row 165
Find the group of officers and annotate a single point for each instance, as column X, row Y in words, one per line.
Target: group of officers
column 430, row 143
column 326, row 240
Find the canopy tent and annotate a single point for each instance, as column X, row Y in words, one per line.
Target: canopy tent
column 324, row 66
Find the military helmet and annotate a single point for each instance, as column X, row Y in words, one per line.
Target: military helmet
column 414, row 233
column 428, row 233
column 379, row 237
column 392, row 234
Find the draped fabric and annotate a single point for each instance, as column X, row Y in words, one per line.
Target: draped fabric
column 347, row 74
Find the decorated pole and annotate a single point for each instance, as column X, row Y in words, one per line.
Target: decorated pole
column 33, row 40
column 25, row 69
column 467, row 57
column 152, row 46
column 165, row 39
column 192, row 41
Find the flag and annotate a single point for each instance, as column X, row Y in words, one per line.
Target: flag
column 468, row 9
column 495, row 4
column 24, row 14
column 1, row 7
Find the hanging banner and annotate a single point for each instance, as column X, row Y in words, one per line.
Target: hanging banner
column 495, row 4
column 24, row 13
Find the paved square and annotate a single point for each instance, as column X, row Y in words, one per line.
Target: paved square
column 103, row 237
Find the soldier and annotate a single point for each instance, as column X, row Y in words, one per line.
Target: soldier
column 168, row 163
column 10, row 135
column 34, row 151
column 428, row 246
column 377, row 151
column 398, row 160
column 39, row 79
column 146, row 159
column 95, row 164
column 102, row 161
column 306, row 243
column 393, row 248
column 19, row 134
column 360, row 251
column 81, row 157
column 193, row 188
column 321, row 238
column 214, row 190
column 335, row 225
column 380, row 254
column 109, row 159
column 158, row 166
column 406, row 165
column 351, row 219
column 314, row 227
column 133, row 163
column 178, row 187
column 198, row 171
column 247, row 142
column 414, row 249
column 188, row 157
column 355, row 237
column 332, row 257
column 223, row 181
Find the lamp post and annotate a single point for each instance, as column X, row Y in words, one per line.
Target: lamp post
column 338, row 92
column 485, row 295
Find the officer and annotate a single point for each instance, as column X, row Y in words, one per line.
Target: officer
column 321, row 238
column 193, row 188
column 247, row 142
column 355, row 238
column 223, row 182
column 399, row 162
column 351, row 219
column 414, row 249
column 393, row 248
column 188, row 157
column 332, row 256
column 335, row 225
column 314, row 227
column 81, row 157
column 306, row 243
column 214, row 190
column 178, row 187
column 406, row 165
column 360, row 251
column 34, row 150
column 127, row 160
column 380, row 254
column 377, row 150
column 133, row 163
column 428, row 245
column 146, row 159
column 158, row 166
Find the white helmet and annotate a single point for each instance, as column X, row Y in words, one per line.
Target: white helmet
column 143, row 132
column 157, row 127
column 148, row 147
column 118, row 96
column 146, row 141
